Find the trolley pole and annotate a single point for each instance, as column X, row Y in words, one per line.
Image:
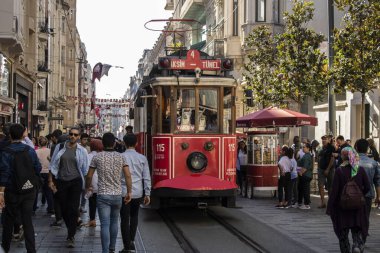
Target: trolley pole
column 331, row 94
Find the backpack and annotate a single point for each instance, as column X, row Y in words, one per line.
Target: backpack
column 24, row 177
column 352, row 197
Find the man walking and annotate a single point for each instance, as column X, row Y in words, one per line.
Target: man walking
column 372, row 169
column 18, row 202
column 109, row 165
column 326, row 167
column 141, row 183
column 69, row 166
column 56, row 138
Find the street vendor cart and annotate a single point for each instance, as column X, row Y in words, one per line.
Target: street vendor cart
column 261, row 169
column 261, row 172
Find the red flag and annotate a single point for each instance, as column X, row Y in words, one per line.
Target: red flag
column 100, row 70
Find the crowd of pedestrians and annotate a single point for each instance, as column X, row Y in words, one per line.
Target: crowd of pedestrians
column 69, row 171
column 337, row 164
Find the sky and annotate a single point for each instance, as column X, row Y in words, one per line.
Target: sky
column 113, row 32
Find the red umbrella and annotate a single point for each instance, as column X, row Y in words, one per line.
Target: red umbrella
column 275, row 117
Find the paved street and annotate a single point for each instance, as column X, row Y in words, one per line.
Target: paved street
column 306, row 230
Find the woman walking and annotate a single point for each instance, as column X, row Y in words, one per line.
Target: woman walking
column 344, row 220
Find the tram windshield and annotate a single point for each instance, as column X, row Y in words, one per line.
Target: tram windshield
column 196, row 110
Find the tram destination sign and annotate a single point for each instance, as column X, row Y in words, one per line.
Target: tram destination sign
column 193, row 61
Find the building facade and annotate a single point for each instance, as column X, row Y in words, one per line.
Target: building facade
column 40, row 65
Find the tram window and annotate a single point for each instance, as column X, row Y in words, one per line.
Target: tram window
column 186, row 110
column 166, row 110
column 227, row 111
column 208, row 110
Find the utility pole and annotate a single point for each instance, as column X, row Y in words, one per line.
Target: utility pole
column 331, row 94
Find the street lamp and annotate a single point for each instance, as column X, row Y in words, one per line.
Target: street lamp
column 331, row 94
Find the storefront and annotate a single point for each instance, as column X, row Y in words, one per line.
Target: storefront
column 24, row 91
column 7, row 103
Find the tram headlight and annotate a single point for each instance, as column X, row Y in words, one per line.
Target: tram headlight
column 197, row 162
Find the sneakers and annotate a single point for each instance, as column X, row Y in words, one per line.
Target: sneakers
column 304, row 207
column 56, row 224
column 279, row 206
column 295, row 206
column 70, row 242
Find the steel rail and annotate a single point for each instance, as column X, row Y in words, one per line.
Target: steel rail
column 241, row 236
column 178, row 234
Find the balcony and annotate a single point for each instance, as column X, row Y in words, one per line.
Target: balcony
column 11, row 27
column 193, row 9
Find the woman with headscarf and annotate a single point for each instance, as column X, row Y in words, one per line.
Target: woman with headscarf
column 346, row 220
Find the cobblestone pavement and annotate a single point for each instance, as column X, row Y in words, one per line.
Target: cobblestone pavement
column 310, row 227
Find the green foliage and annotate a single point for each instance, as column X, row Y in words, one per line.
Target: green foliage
column 290, row 66
column 357, row 46
column 260, row 70
column 302, row 64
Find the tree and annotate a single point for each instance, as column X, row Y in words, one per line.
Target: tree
column 357, row 49
column 301, row 64
column 260, row 70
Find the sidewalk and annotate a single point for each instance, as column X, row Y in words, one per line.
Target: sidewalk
column 312, row 228
column 50, row 239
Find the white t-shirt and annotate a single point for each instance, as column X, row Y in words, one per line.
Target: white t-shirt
column 285, row 163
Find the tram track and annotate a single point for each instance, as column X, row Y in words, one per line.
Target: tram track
column 186, row 239
column 241, row 236
column 184, row 242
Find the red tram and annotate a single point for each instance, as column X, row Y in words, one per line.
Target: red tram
column 184, row 115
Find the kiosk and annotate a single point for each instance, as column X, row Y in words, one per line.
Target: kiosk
column 261, row 171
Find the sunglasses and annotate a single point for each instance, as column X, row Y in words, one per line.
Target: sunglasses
column 72, row 134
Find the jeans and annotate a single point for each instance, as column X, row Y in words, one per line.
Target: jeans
column 285, row 184
column 129, row 217
column 294, row 190
column 304, row 190
column 92, row 206
column 47, row 192
column 69, row 198
column 18, row 205
column 108, row 211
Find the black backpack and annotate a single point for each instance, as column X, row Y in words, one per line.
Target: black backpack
column 352, row 197
column 24, row 176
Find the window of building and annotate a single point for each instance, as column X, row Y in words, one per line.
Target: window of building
column 260, row 10
column 70, row 74
column 276, row 11
column 245, row 11
column 63, row 24
column 5, row 77
column 235, row 31
column 63, row 56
